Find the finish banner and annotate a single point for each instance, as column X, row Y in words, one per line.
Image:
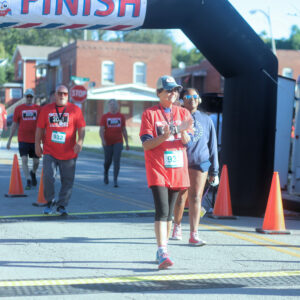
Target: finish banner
column 73, row 14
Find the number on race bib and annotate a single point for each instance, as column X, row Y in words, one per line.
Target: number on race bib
column 173, row 159
column 58, row 137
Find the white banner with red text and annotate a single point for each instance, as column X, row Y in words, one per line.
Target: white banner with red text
column 73, row 14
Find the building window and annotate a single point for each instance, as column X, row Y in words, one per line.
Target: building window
column 139, row 73
column 287, row 72
column 41, row 72
column 41, row 69
column 138, row 108
column 20, row 65
column 15, row 93
column 58, row 75
column 108, row 72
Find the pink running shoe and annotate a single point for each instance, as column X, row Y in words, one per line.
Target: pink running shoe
column 195, row 240
column 177, row 233
column 164, row 261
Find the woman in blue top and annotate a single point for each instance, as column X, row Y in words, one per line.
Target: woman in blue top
column 202, row 164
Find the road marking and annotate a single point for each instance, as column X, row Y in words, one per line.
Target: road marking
column 113, row 196
column 6, row 161
column 103, row 280
column 238, row 236
column 82, row 214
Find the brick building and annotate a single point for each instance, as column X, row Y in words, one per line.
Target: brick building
column 10, row 92
column 289, row 63
column 109, row 63
column 203, row 76
column 26, row 60
column 124, row 71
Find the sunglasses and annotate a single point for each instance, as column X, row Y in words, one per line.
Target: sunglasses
column 189, row 97
column 172, row 91
column 29, row 96
column 62, row 93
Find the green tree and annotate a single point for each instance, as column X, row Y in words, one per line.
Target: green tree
column 292, row 43
column 2, row 51
column 295, row 37
column 2, row 75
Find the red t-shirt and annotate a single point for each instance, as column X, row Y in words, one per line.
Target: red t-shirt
column 113, row 124
column 2, row 116
column 60, row 131
column 26, row 116
column 166, row 165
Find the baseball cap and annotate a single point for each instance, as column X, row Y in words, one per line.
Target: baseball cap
column 29, row 92
column 167, row 83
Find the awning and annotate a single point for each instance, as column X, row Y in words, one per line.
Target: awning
column 124, row 92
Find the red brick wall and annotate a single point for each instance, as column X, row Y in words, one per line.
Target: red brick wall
column 289, row 59
column 91, row 54
column 212, row 82
column 9, row 100
column 30, row 74
column 7, row 96
column 87, row 58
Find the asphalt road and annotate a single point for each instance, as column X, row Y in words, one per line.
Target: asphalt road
column 106, row 247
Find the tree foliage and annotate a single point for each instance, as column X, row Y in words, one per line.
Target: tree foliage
column 292, row 43
column 10, row 38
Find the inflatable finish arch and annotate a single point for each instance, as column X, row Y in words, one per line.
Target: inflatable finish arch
column 226, row 40
column 249, row 108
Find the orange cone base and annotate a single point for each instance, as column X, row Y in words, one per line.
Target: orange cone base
column 222, row 217
column 14, row 196
column 260, row 230
column 39, row 204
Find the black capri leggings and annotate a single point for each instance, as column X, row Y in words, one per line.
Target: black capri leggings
column 164, row 201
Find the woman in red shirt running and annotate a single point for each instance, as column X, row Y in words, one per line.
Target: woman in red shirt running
column 164, row 137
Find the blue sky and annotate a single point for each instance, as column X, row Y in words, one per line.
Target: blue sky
column 283, row 14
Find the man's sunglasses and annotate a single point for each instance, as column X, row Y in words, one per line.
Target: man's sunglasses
column 29, row 96
column 62, row 93
column 172, row 91
column 189, row 97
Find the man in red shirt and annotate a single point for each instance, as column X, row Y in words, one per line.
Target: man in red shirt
column 57, row 126
column 25, row 117
column 3, row 117
column 112, row 131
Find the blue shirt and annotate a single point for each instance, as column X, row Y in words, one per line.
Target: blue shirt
column 202, row 151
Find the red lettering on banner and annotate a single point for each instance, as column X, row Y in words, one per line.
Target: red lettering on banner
column 87, row 8
column 110, row 8
column 135, row 3
column 72, row 6
column 25, row 6
column 46, row 7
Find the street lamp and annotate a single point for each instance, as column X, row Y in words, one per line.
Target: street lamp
column 267, row 15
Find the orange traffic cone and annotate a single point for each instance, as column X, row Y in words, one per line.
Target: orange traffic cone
column 15, row 185
column 274, row 218
column 222, row 208
column 41, row 199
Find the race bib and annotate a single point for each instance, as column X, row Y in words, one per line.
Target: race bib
column 173, row 159
column 58, row 137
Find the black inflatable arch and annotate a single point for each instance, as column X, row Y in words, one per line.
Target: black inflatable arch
column 249, row 108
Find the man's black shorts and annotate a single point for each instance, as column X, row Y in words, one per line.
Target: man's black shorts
column 27, row 149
